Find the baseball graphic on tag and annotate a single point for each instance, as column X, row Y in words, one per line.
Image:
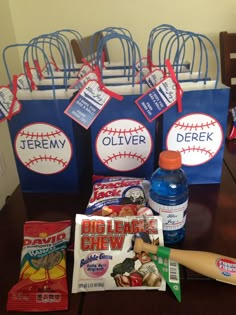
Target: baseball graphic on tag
column 43, row 148
column 198, row 137
column 123, row 144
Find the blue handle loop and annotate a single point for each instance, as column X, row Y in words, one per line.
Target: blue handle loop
column 166, row 50
column 210, row 42
column 69, row 34
column 126, row 50
column 95, row 38
column 134, row 50
column 48, row 42
column 63, row 36
column 161, row 60
column 154, row 34
column 175, row 42
column 27, row 46
column 66, row 48
column 156, row 29
column 106, row 31
column 202, row 40
column 202, row 55
column 122, row 30
column 173, row 37
column 180, row 55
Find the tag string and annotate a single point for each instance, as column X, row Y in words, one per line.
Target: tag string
column 179, row 91
column 103, row 59
column 37, row 67
column 53, row 62
column 103, row 87
column 149, row 59
column 14, row 91
column 87, row 63
column 29, row 75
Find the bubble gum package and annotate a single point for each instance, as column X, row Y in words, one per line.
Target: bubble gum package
column 42, row 284
column 104, row 257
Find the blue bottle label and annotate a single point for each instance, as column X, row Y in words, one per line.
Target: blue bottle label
column 173, row 217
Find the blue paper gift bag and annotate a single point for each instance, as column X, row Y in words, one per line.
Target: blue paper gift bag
column 199, row 132
column 123, row 142
column 197, row 129
column 50, row 149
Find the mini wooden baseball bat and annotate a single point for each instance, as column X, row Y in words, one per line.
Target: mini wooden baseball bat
column 216, row 266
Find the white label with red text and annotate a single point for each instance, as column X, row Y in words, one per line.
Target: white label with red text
column 173, row 217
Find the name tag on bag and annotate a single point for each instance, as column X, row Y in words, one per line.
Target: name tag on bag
column 87, row 104
column 158, row 99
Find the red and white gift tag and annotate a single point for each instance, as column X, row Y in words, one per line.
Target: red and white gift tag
column 9, row 105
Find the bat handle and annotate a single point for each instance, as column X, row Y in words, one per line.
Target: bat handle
column 216, row 266
column 140, row 246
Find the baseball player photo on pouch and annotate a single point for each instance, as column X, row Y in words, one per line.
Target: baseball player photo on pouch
column 139, row 270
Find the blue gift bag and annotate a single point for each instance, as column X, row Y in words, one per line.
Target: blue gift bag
column 198, row 129
column 123, row 141
column 199, row 132
column 50, row 149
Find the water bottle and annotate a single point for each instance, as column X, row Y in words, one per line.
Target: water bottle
column 168, row 195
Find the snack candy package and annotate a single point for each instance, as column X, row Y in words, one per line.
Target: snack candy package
column 42, row 284
column 104, row 258
column 124, row 194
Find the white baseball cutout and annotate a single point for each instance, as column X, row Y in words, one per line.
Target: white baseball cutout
column 198, row 137
column 43, row 148
column 123, row 144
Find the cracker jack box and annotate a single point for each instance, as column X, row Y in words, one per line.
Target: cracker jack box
column 104, row 256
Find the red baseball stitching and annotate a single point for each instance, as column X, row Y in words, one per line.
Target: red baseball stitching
column 195, row 126
column 45, row 158
column 124, row 155
column 40, row 135
column 124, row 131
column 198, row 149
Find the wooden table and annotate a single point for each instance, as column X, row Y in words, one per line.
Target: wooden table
column 211, row 226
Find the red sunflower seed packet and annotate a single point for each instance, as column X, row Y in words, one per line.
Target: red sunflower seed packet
column 42, row 284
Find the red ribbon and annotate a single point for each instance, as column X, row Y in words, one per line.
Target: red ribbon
column 149, row 59
column 29, row 75
column 179, row 91
column 103, row 87
column 37, row 67
column 14, row 91
column 53, row 62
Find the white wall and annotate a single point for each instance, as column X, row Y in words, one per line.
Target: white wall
column 32, row 17
column 8, row 174
column 24, row 19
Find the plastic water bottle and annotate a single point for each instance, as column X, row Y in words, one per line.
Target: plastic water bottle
column 168, row 195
